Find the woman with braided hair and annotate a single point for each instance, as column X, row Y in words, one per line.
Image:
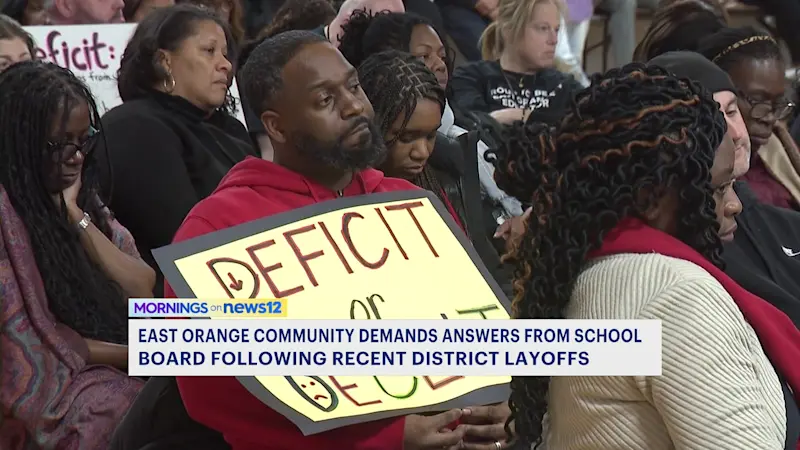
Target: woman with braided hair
column 366, row 34
column 67, row 269
column 632, row 199
column 408, row 103
column 754, row 62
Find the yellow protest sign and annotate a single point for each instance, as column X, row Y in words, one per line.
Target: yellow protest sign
column 396, row 255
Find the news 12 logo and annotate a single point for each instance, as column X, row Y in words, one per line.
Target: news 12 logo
column 209, row 308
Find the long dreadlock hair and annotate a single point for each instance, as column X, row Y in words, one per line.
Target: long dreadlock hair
column 394, row 82
column 33, row 97
column 365, row 34
column 633, row 135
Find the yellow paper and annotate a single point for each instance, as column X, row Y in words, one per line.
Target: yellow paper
column 392, row 260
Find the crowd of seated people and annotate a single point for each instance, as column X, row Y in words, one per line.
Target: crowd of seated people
column 667, row 188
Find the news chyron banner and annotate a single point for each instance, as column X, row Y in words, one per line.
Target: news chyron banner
column 395, row 255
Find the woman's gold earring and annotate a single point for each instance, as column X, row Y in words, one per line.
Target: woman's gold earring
column 169, row 84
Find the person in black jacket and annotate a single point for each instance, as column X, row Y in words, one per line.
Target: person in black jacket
column 171, row 141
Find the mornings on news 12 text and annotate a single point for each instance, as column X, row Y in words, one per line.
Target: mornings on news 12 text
column 260, row 346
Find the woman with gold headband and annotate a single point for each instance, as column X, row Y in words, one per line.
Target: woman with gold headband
column 754, row 63
column 632, row 195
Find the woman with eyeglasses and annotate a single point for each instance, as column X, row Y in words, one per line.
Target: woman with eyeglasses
column 753, row 61
column 67, row 269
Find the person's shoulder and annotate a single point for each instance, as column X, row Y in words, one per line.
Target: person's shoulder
column 477, row 68
column 558, row 79
column 132, row 110
column 224, row 208
column 389, row 184
column 629, row 283
column 657, row 269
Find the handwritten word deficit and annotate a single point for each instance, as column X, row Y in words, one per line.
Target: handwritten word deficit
column 384, row 256
column 314, row 249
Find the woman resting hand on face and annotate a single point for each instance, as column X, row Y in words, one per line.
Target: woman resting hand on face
column 67, row 269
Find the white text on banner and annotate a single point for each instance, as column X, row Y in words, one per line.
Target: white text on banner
column 259, row 347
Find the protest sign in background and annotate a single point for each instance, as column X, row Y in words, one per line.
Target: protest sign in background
column 93, row 53
column 396, row 255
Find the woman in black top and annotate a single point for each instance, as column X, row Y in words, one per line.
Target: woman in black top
column 173, row 139
column 517, row 78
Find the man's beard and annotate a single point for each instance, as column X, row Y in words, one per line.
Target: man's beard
column 370, row 150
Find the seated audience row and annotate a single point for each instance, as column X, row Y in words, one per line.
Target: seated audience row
column 172, row 158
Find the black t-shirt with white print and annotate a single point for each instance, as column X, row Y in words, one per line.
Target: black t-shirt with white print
column 483, row 86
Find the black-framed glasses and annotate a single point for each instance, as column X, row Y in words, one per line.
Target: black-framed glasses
column 761, row 108
column 66, row 150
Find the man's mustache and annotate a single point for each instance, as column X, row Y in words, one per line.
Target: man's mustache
column 357, row 123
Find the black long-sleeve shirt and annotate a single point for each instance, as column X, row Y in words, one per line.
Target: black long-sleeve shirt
column 484, row 87
column 165, row 156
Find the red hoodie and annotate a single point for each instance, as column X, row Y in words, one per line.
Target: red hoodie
column 254, row 189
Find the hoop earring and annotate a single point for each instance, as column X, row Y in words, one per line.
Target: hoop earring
column 169, row 84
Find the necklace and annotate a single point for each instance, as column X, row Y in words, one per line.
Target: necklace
column 516, row 93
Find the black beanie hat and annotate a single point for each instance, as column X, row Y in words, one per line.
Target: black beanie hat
column 696, row 67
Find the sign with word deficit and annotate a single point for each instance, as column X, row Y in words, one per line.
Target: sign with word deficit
column 93, row 54
column 396, row 255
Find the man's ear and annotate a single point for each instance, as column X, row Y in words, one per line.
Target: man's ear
column 274, row 127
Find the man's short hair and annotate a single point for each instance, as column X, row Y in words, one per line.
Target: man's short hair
column 261, row 77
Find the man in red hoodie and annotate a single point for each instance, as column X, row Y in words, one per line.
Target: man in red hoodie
column 320, row 125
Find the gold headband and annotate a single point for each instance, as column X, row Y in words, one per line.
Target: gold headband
column 742, row 43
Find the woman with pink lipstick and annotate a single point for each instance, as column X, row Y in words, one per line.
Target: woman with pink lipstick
column 754, row 62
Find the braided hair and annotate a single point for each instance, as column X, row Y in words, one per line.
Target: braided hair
column 33, row 97
column 729, row 47
column 679, row 26
column 394, row 83
column 365, row 34
column 634, row 134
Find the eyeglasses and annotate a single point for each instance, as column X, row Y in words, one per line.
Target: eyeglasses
column 760, row 108
column 66, row 150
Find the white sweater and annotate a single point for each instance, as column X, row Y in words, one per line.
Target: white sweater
column 717, row 391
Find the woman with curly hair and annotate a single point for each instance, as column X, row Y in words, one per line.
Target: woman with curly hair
column 632, row 197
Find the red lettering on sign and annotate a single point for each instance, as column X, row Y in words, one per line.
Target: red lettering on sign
column 265, row 271
column 302, row 258
column 410, row 208
column 434, row 385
